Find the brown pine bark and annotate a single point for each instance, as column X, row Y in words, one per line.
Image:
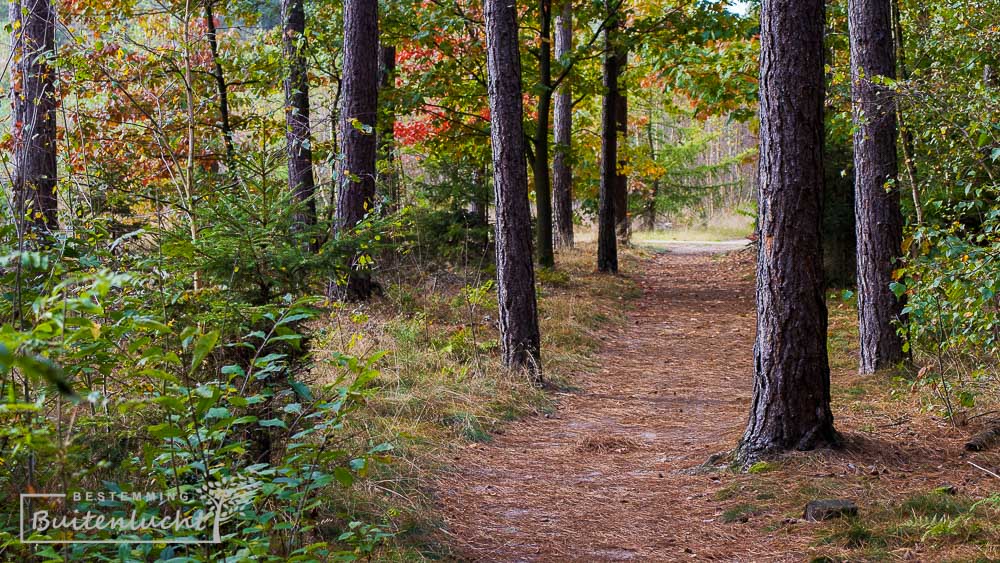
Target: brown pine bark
column 33, row 174
column 562, row 172
column 607, row 244
column 301, row 182
column 358, row 113
column 519, row 336
column 790, row 409
column 879, row 218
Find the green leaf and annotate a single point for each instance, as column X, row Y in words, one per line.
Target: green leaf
column 898, row 288
column 44, row 368
column 343, row 476
column 165, row 430
column 202, row 348
column 217, row 412
column 272, row 422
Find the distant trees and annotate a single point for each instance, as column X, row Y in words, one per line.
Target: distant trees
column 519, row 336
column 791, row 396
column 622, row 226
column 540, row 141
column 358, row 114
column 877, row 198
column 562, row 171
column 387, row 136
column 297, row 130
column 607, row 245
column 34, row 115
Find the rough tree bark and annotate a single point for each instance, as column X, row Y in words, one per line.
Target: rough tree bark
column 607, row 244
column 623, row 227
column 34, row 116
column 562, row 172
column 300, row 170
column 879, row 218
column 791, row 398
column 540, row 162
column 358, row 113
column 519, row 334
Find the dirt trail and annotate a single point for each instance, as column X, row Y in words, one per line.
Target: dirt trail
column 604, row 477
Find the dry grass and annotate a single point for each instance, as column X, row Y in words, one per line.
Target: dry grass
column 720, row 227
column 441, row 387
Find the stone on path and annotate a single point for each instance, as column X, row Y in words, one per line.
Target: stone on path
column 818, row 510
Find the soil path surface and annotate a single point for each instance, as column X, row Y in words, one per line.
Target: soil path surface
column 608, row 476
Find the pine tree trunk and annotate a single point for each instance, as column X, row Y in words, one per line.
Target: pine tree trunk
column 540, row 164
column 623, row 228
column 562, row 172
column 519, row 335
column 300, row 170
column 607, row 244
column 790, row 409
column 879, row 218
column 225, row 127
column 358, row 113
column 34, row 115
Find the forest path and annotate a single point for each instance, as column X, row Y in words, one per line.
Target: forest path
column 606, row 477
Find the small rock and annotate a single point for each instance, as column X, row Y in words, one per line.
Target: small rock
column 818, row 510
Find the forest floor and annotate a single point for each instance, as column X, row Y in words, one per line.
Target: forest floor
column 616, row 472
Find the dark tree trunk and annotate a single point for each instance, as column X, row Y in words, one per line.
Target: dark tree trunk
column 562, row 172
column 220, row 83
column 387, row 134
column 358, row 113
column 879, row 218
column 34, row 115
column 790, row 409
column 622, row 226
column 300, row 170
column 654, row 191
column 480, row 206
column 607, row 244
column 519, row 335
column 540, row 164
column 905, row 135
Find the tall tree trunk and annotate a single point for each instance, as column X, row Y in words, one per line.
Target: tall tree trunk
column 607, row 244
column 300, row 170
column 622, row 226
column 540, row 164
column 359, row 111
column 879, row 219
column 220, row 83
column 519, row 335
column 34, row 115
column 387, row 135
column 791, row 397
column 905, row 135
column 562, row 172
